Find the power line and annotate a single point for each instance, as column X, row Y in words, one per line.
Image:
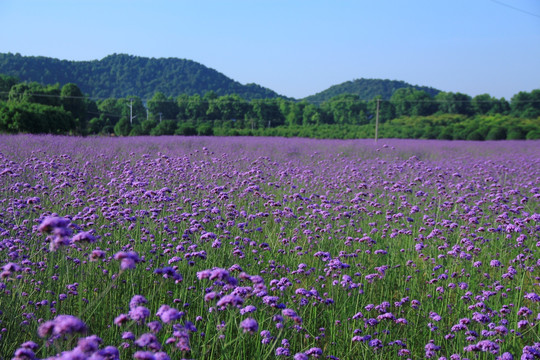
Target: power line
column 247, row 102
column 515, row 8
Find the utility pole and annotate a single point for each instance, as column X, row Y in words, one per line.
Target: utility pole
column 377, row 121
column 131, row 117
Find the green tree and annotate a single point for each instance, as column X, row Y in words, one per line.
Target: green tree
column 454, row 103
column 267, row 112
column 496, row 133
column 122, row 127
column 205, row 130
column 295, row 114
column 526, row 105
column 162, row 107
column 73, row 101
column 6, row 83
column 165, row 127
column 186, row 130
column 133, row 109
column 387, row 110
column 35, row 118
column 147, row 126
column 310, row 115
column 111, row 111
column 35, row 93
column 95, row 125
column 195, row 108
column 345, row 109
column 412, row 102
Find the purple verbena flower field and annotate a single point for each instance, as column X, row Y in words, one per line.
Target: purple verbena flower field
column 268, row 248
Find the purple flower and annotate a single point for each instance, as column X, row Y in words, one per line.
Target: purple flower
column 532, row 296
column 89, row 344
column 488, row 346
column 84, row 236
column 121, row 319
column 233, row 300
column 139, row 313
column 281, row 351
column 161, row 356
column 148, row 340
column 289, row 313
column 522, row 323
column 144, row 355
column 219, row 274
column 62, row 325
column 248, row 309
column 495, row 263
column 128, row 259
column 136, row 301
column 376, row 343
column 433, row 315
column 108, row 353
column 524, row 311
column 97, row 254
column 24, row 354
column 249, row 325
column 128, row 335
column 168, row 314
column 315, row 352
column 30, row 345
column 52, row 223
column 481, row 318
column 358, row 315
column 154, row 326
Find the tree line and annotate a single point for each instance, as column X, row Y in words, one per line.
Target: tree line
column 409, row 113
column 120, row 75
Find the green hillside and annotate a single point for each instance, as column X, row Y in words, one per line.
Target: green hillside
column 366, row 89
column 121, row 75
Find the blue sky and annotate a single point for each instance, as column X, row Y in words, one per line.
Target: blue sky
column 298, row 47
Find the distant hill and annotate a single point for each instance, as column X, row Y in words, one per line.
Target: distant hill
column 366, row 89
column 121, row 75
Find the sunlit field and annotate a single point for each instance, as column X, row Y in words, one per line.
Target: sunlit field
column 268, row 248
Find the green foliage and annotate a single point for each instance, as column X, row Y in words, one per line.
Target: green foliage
column 205, row 130
column 366, row 89
column 122, row 127
column 73, row 100
column 165, row 127
column 410, row 113
column 454, row 103
column 34, row 118
column 412, row 102
column 496, row 133
column 6, row 83
column 162, row 107
column 533, row 135
column 186, row 130
column 35, row 93
column 346, row 109
column 121, row 75
column 95, row 125
column 515, row 133
column 526, row 105
column 147, row 126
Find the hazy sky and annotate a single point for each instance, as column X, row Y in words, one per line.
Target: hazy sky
column 298, row 47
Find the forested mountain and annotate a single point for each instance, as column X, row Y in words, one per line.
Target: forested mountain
column 121, row 75
column 367, row 89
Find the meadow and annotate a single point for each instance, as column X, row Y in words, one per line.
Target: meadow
column 268, row 248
